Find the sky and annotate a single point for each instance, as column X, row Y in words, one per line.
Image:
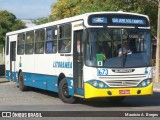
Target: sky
column 27, row 9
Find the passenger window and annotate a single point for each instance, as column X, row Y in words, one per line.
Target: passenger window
column 39, row 41
column 20, row 44
column 64, row 40
column 51, row 40
column 29, row 44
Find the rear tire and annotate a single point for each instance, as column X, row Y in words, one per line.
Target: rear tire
column 63, row 92
column 22, row 87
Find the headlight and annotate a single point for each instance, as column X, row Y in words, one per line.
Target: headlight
column 148, row 82
column 145, row 82
column 98, row 84
column 101, row 85
column 95, row 83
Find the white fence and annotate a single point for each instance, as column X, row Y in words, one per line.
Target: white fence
column 1, row 55
column 2, row 66
column 1, row 59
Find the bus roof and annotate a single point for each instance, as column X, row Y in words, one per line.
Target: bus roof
column 71, row 19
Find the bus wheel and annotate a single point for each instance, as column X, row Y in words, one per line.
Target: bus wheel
column 22, row 87
column 63, row 92
column 115, row 99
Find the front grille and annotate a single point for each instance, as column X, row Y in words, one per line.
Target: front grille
column 124, row 81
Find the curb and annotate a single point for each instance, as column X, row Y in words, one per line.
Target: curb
column 4, row 81
column 2, row 76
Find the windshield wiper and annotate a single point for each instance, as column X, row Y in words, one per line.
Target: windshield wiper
column 124, row 60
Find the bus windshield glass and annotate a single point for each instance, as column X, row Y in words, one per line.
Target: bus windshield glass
column 117, row 48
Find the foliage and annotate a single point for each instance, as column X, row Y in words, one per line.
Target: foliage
column 67, row 8
column 8, row 22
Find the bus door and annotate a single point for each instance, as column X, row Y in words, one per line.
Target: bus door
column 13, row 60
column 78, row 62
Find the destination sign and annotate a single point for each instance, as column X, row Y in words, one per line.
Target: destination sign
column 99, row 20
column 128, row 21
column 118, row 20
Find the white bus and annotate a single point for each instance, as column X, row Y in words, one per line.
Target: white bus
column 78, row 57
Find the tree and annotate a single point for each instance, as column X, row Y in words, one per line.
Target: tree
column 8, row 23
column 67, row 8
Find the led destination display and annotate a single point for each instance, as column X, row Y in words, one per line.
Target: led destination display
column 118, row 20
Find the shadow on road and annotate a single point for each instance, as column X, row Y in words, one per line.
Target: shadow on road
column 140, row 101
column 135, row 101
column 44, row 92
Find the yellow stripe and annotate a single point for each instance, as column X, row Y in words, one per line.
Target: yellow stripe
column 92, row 92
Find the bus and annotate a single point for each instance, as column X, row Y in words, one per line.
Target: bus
column 78, row 57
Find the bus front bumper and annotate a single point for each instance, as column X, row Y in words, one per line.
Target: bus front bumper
column 92, row 92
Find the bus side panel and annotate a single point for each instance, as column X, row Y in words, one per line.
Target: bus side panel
column 7, row 74
column 70, row 86
column 46, row 82
column 14, row 76
column 52, row 83
column 39, row 81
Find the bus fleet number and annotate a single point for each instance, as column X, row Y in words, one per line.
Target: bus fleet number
column 102, row 71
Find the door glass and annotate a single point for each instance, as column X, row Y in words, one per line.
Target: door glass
column 78, row 59
column 13, row 51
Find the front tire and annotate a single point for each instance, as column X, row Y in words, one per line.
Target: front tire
column 22, row 87
column 63, row 92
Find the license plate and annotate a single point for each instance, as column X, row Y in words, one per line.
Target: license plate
column 124, row 91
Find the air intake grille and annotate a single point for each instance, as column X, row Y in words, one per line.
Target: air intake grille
column 124, row 81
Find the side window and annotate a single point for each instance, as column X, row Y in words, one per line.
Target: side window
column 64, row 39
column 51, row 40
column 39, row 41
column 7, row 46
column 20, row 44
column 29, row 43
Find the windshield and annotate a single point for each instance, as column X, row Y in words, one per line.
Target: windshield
column 117, row 48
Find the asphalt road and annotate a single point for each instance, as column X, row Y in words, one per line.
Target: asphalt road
column 12, row 99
